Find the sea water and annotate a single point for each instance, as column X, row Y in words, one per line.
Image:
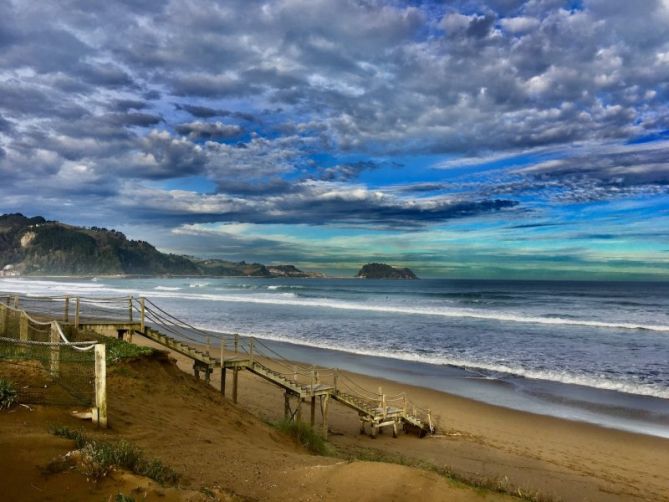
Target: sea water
column 593, row 351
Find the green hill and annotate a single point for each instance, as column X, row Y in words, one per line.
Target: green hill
column 35, row 246
column 383, row 271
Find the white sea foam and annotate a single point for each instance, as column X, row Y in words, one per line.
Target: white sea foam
column 73, row 288
column 45, row 287
column 443, row 312
column 628, row 387
column 166, row 288
column 199, row 285
column 33, row 287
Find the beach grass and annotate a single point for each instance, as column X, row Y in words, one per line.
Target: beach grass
column 118, row 350
column 306, row 436
column 8, row 394
column 99, row 458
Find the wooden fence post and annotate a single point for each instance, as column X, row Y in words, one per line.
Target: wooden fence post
column 130, row 309
column 383, row 405
column 77, row 313
column 286, row 405
column 142, row 312
column 235, row 382
column 23, row 327
column 66, row 314
column 16, row 301
column 236, row 343
column 223, row 370
column 312, row 420
column 324, row 411
column 3, row 319
column 100, row 413
column 54, row 367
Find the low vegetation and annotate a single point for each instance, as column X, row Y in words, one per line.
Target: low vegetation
column 8, row 394
column 306, row 436
column 96, row 459
column 118, row 350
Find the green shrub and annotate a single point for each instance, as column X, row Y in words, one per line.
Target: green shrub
column 75, row 435
column 7, row 394
column 119, row 349
column 99, row 458
column 123, row 498
column 305, row 435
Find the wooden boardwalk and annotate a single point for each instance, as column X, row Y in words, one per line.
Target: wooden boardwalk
column 299, row 383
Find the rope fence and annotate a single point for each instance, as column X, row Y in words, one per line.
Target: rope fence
column 45, row 365
column 48, row 314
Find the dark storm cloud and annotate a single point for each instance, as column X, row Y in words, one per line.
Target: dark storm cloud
column 596, row 174
column 204, row 112
column 212, row 86
column 208, row 130
column 5, row 125
column 18, row 100
column 314, row 203
column 125, row 105
column 347, row 172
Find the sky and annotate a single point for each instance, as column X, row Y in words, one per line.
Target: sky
column 498, row 139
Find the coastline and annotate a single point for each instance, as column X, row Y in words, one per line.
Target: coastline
column 606, row 408
column 554, row 392
column 556, row 457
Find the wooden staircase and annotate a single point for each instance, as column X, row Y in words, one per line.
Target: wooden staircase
column 375, row 414
column 127, row 315
column 180, row 347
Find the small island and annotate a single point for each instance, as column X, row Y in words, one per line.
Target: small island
column 383, row 271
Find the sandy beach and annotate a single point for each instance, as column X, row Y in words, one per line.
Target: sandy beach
column 559, row 459
column 233, row 451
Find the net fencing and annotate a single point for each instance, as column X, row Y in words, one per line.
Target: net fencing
column 44, row 365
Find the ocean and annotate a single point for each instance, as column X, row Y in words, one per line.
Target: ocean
column 589, row 351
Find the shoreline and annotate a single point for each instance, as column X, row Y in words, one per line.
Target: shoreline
column 615, row 410
column 556, row 457
column 337, row 277
column 562, row 395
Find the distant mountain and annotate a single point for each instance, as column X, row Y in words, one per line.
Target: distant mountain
column 35, row 246
column 290, row 271
column 383, row 271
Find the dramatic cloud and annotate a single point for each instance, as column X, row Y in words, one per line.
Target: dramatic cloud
column 366, row 114
column 314, row 203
